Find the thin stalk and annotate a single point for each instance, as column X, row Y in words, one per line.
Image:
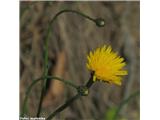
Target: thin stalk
column 27, row 95
column 62, row 107
column 64, row 81
column 40, row 102
column 90, row 81
column 123, row 103
column 36, row 81
column 73, row 11
column 46, row 51
column 70, row 101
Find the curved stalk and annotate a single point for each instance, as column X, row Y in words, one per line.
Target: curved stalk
column 64, row 81
column 36, row 81
column 99, row 22
column 83, row 92
column 27, row 94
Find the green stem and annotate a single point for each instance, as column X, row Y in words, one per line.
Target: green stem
column 64, row 81
column 36, row 81
column 72, row 11
column 70, row 101
column 123, row 103
column 43, row 90
column 40, row 102
column 62, row 107
column 90, row 81
column 46, row 51
column 27, row 94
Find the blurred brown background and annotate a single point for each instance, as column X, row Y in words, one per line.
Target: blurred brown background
column 72, row 38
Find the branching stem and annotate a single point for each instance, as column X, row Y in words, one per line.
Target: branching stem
column 96, row 21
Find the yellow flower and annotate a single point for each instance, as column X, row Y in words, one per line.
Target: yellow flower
column 106, row 65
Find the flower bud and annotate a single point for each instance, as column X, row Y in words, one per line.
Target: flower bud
column 100, row 22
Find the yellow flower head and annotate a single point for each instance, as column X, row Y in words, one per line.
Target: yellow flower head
column 106, row 65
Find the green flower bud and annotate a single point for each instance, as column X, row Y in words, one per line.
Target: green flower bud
column 100, row 22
